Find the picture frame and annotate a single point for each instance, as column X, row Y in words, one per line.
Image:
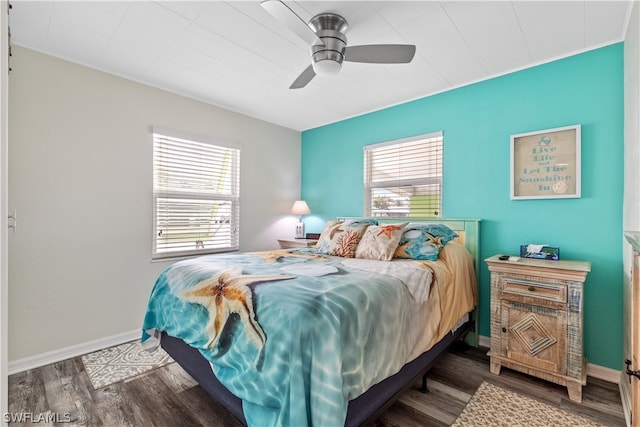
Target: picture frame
column 545, row 164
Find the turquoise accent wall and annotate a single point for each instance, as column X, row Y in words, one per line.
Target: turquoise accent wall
column 477, row 121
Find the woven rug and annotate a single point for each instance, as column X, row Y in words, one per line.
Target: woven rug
column 121, row 362
column 494, row 406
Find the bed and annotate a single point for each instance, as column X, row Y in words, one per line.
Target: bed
column 305, row 337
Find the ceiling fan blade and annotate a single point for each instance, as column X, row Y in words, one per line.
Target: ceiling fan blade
column 288, row 17
column 303, row 78
column 380, row 53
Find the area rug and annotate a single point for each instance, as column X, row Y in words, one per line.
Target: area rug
column 122, row 362
column 494, row 406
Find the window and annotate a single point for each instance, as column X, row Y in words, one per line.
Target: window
column 195, row 195
column 403, row 178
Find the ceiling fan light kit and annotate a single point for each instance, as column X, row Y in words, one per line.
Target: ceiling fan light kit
column 326, row 34
column 327, row 67
column 328, row 56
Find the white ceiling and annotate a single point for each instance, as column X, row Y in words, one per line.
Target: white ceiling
column 235, row 55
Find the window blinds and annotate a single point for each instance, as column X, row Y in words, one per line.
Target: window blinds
column 196, row 197
column 403, row 178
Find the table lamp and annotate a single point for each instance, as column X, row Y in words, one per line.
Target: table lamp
column 300, row 208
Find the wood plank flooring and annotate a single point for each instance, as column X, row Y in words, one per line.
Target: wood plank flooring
column 170, row 397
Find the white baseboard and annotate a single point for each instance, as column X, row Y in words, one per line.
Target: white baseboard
column 603, row 373
column 484, row 341
column 49, row 357
column 595, row 371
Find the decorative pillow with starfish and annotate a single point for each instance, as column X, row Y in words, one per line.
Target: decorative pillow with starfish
column 380, row 242
column 341, row 238
column 424, row 242
column 323, row 240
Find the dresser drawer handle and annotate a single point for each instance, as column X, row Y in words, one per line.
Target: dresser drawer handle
column 532, row 289
column 504, row 329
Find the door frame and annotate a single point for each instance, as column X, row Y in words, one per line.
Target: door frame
column 4, row 285
column 630, row 385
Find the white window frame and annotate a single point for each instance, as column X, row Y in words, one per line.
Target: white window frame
column 160, row 193
column 369, row 186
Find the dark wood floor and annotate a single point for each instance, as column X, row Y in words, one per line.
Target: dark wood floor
column 169, row 397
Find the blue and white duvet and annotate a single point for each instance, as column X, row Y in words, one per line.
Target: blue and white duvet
column 294, row 334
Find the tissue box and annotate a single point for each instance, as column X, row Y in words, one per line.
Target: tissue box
column 547, row 252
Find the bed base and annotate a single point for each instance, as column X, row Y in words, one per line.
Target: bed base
column 363, row 410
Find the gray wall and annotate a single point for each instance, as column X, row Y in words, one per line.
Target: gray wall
column 80, row 178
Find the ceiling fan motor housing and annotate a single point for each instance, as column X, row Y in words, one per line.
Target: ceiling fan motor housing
column 330, row 29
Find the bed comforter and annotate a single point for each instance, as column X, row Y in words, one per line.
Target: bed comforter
column 296, row 335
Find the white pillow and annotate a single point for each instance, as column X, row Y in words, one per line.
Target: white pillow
column 380, row 241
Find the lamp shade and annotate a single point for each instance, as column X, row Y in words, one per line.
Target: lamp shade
column 300, row 208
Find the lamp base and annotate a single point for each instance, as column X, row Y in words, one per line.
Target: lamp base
column 300, row 230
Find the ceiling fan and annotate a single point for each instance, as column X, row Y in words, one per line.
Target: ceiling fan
column 326, row 35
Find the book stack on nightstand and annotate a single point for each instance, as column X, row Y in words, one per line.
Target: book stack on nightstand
column 296, row 243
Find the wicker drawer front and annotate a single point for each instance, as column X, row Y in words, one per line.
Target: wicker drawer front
column 527, row 288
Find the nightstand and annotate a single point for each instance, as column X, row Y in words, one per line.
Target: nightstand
column 296, row 243
column 536, row 319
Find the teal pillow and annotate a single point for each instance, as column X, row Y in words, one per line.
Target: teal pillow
column 424, row 241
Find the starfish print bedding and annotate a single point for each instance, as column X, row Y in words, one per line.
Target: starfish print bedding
column 294, row 347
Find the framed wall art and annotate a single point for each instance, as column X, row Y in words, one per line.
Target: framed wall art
column 546, row 164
